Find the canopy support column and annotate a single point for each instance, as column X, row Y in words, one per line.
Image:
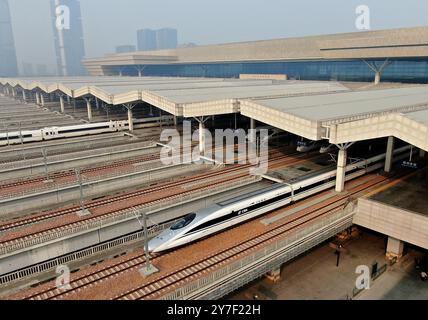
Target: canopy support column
column 140, row 70
column 201, row 121
column 37, row 98
column 252, row 136
column 129, row 107
column 377, row 70
column 341, row 166
column 42, row 99
column 89, row 108
column 61, row 103
column 389, row 154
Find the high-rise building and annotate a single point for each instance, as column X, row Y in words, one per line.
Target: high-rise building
column 146, row 40
column 69, row 44
column 8, row 63
column 166, row 38
column 125, row 48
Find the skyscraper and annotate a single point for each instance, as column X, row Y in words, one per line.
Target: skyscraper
column 8, row 63
column 146, row 40
column 166, row 38
column 69, row 44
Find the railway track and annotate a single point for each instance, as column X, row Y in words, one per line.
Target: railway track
column 157, row 286
column 160, row 286
column 31, row 155
column 237, row 172
column 22, row 222
column 70, row 173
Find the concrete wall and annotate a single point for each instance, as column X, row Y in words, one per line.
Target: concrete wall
column 393, row 124
column 395, row 222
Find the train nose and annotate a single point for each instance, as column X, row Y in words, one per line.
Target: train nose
column 151, row 246
column 154, row 244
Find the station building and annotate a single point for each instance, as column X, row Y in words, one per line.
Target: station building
column 396, row 55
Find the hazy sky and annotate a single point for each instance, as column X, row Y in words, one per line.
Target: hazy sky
column 108, row 23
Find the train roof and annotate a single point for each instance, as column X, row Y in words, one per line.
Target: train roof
column 249, row 195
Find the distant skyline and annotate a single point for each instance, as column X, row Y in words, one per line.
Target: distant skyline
column 160, row 39
column 107, row 23
column 69, row 42
column 8, row 58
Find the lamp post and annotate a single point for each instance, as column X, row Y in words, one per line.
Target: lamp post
column 148, row 268
column 83, row 211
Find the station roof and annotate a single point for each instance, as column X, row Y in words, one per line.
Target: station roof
column 345, row 116
column 341, row 107
column 311, row 109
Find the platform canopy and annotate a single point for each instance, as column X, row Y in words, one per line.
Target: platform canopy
column 188, row 97
column 344, row 117
column 312, row 109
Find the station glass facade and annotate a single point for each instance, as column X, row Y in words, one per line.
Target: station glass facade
column 400, row 70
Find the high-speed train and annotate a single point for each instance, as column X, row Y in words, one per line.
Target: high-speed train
column 50, row 133
column 327, row 148
column 307, row 145
column 222, row 215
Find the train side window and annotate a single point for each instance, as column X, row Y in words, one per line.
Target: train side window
column 184, row 222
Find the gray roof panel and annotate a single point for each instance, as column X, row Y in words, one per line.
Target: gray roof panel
column 348, row 104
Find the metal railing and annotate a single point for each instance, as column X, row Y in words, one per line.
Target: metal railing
column 88, row 180
column 114, row 139
column 82, row 154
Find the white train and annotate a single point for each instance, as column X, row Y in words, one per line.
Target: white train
column 307, row 145
column 50, row 133
column 223, row 215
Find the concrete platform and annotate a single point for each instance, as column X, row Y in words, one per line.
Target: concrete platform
column 68, row 161
column 304, row 168
column 56, row 195
column 410, row 194
column 398, row 210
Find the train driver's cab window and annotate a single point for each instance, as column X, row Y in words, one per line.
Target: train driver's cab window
column 184, row 222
